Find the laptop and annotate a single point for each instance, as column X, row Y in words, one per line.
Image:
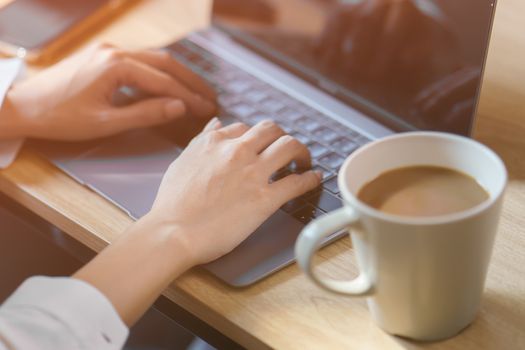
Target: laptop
column 328, row 75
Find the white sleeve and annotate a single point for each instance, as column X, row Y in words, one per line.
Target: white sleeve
column 10, row 70
column 59, row 313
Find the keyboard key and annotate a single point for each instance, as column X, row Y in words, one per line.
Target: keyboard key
column 349, row 132
column 305, row 140
column 242, row 110
column 195, row 58
column 258, row 117
column 227, row 100
column 325, row 134
column 177, row 48
column 319, row 117
column 188, row 44
column 289, row 115
column 332, row 161
column 225, row 77
column 307, row 124
column 177, row 53
column 307, row 214
column 238, row 87
column 326, row 173
column 208, row 67
column 344, row 146
column 197, row 70
column 271, row 105
column 345, row 130
column 362, row 140
column 287, row 129
column 219, row 90
column 325, row 201
column 331, row 185
column 214, row 61
column 302, row 108
column 293, row 205
column 317, row 150
column 256, row 96
column 227, row 119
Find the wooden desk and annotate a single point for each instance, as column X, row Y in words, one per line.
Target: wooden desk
column 286, row 311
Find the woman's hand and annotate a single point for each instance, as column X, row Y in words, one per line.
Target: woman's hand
column 218, row 191
column 74, row 100
column 212, row 197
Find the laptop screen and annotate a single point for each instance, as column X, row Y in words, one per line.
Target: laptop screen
column 410, row 64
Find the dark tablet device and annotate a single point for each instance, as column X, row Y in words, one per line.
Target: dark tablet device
column 32, row 29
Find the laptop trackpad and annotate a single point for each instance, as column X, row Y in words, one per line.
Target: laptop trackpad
column 268, row 249
column 127, row 169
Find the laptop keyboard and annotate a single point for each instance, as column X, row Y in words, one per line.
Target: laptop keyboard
column 245, row 98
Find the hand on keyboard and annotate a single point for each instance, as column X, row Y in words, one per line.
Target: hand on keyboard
column 244, row 98
column 73, row 100
column 219, row 190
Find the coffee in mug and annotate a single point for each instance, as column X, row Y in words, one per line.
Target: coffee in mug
column 422, row 191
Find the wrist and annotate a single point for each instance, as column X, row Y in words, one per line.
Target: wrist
column 172, row 242
column 134, row 270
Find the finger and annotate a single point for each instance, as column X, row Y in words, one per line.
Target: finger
column 143, row 114
column 262, row 135
column 234, row 130
column 130, row 72
column 295, row 185
column 213, row 124
column 162, row 60
column 283, row 151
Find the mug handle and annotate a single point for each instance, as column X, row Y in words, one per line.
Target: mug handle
column 309, row 241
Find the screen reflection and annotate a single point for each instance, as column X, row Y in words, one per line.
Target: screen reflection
column 412, row 64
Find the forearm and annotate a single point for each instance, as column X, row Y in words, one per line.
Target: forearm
column 135, row 270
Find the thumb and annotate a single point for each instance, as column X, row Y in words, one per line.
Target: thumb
column 150, row 112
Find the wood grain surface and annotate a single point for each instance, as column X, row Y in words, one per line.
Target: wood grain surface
column 286, row 311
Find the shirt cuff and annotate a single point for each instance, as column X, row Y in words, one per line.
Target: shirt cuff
column 88, row 314
column 10, row 70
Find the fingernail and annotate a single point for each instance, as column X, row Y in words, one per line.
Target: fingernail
column 319, row 174
column 175, row 108
column 214, row 124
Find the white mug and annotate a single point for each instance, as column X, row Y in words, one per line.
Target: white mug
column 423, row 276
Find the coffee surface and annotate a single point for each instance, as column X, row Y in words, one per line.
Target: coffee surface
column 422, row 191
